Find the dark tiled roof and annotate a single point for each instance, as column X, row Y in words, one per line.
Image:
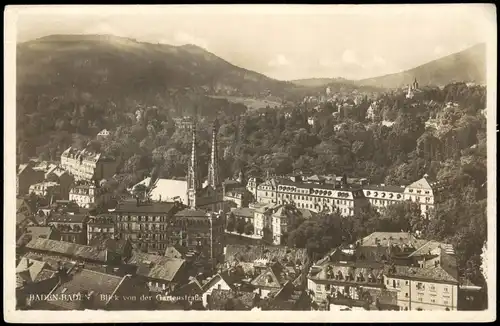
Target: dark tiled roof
column 147, row 208
column 231, row 300
column 68, row 248
column 224, row 276
column 193, row 213
column 115, row 245
column 350, row 272
column 156, row 267
column 69, row 218
column 429, row 273
column 34, row 232
column 250, row 253
column 387, row 188
column 87, row 280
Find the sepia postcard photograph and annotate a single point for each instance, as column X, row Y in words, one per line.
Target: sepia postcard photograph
column 235, row 163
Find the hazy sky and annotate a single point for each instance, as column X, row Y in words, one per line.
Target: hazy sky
column 284, row 42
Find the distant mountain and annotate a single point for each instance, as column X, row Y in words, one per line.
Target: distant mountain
column 465, row 66
column 319, row 82
column 116, row 67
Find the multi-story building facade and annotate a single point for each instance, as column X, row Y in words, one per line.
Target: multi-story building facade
column 27, row 176
column 144, row 223
column 380, row 197
column 47, row 189
column 62, row 177
column 346, row 197
column 87, row 195
column 71, row 227
column 102, row 226
column 389, row 270
column 427, row 193
column 88, row 165
column 313, row 196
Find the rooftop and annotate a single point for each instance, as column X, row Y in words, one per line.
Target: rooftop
column 243, row 212
column 68, row 249
column 388, row 188
column 385, row 238
column 68, row 218
column 251, row 253
column 428, row 273
column 131, row 206
column 34, row 232
column 90, row 282
column 156, row 267
column 30, row 270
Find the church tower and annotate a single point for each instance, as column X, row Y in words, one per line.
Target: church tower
column 213, row 166
column 193, row 180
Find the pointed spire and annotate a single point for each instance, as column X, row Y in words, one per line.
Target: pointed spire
column 213, row 167
column 192, row 177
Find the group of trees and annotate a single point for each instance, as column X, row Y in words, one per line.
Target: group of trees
column 283, row 142
column 239, row 225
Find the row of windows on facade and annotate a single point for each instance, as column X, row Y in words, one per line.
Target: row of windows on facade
column 314, row 199
column 420, row 286
column 162, row 218
column 152, row 227
column 328, row 287
column 163, row 246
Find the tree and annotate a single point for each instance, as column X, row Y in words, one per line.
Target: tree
column 230, row 223
column 249, row 228
column 240, row 226
column 140, row 191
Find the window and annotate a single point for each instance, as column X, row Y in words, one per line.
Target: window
column 318, row 287
column 219, row 286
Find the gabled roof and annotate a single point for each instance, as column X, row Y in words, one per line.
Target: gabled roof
column 192, row 288
column 155, row 266
column 175, row 252
column 224, row 276
column 430, row 246
column 30, row 270
column 424, row 183
column 273, row 276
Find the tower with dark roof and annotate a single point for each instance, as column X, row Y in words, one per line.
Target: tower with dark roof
column 193, row 180
column 213, row 166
